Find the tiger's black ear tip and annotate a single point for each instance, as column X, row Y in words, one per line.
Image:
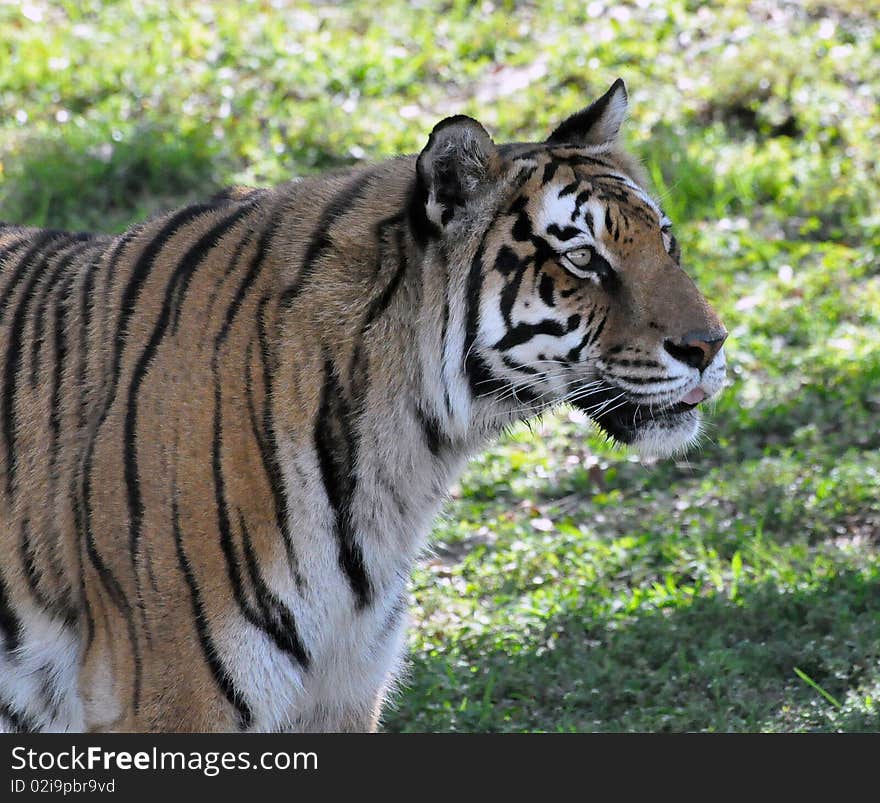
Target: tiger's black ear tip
column 599, row 123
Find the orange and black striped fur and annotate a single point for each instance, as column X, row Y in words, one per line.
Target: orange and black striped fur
column 226, row 431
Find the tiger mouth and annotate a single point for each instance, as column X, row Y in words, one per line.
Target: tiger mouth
column 623, row 419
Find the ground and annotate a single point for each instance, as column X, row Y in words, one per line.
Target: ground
column 572, row 587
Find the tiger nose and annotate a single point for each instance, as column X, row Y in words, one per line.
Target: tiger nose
column 696, row 349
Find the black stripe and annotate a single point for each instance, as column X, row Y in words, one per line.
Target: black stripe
column 546, row 288
column 247, row 282
column 50, row 284
column 320, row 241
column 617, row 179
column 574, row 353
column 156, row 242
column 79, row 529
column 243, row 243
column 11, row 250
column 524, row 174
column 25, row 263
column 506, row 260
column 338, row 444
column 277, row 618
column 444, row 334
column 480, row 378
column 128, row 301
column 45, row 288
column 522, row 228
column 582, row 159
column 227, row 544
column 34, row 575
column 109, row 274
column 549, row 171
column 599, row 329
column 280, row 626
column 139, row 274
column 269, row 458
column 358, row 366
column 517, row 366
column 13, row 359
column 109, row 581
column 581, row 199
column 334, row 444
column 254, row 270
column 510, row 293
column 200, row 620
column 115, row 255
column 570, row 159
column 431, row 430
column 10, row 625
column 381, row 302
column 523, row 332
column 57, row 373
column 634, row 363
column 266, row 439
column 85, row 322
column 175, row 293
column 140, row 271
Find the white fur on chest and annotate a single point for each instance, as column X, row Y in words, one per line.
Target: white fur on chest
column 354, row 650
column 40, row 681
column 352, row 655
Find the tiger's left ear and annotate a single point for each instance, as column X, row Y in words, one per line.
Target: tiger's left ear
column 599, row 123
column 459, row 162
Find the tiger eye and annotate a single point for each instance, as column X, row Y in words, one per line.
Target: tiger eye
column 580, row 257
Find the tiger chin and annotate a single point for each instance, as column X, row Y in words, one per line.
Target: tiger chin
column 226, row 431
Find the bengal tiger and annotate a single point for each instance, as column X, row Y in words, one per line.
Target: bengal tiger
column 226, row 431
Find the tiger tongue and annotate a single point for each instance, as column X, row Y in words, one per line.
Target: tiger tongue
column 695, row 396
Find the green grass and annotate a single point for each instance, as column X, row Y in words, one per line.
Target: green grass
column 571, row 588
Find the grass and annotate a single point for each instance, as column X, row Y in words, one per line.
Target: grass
column 571, row 587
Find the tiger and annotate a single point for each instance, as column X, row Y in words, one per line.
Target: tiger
column 227, row 430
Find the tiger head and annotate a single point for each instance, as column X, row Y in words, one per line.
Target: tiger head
column 571, row 282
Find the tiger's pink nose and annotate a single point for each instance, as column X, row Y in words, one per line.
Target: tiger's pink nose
column 697, row 349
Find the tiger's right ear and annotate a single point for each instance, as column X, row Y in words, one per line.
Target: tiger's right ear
column 458, row 163
column 599, row 123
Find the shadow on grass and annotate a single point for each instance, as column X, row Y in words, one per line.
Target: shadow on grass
column 716, row 665
column 97, row 179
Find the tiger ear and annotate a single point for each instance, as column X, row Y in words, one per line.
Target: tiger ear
column 599, row 123
column 458, row 163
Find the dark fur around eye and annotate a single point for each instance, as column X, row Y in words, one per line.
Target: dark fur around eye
column 598, row 266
